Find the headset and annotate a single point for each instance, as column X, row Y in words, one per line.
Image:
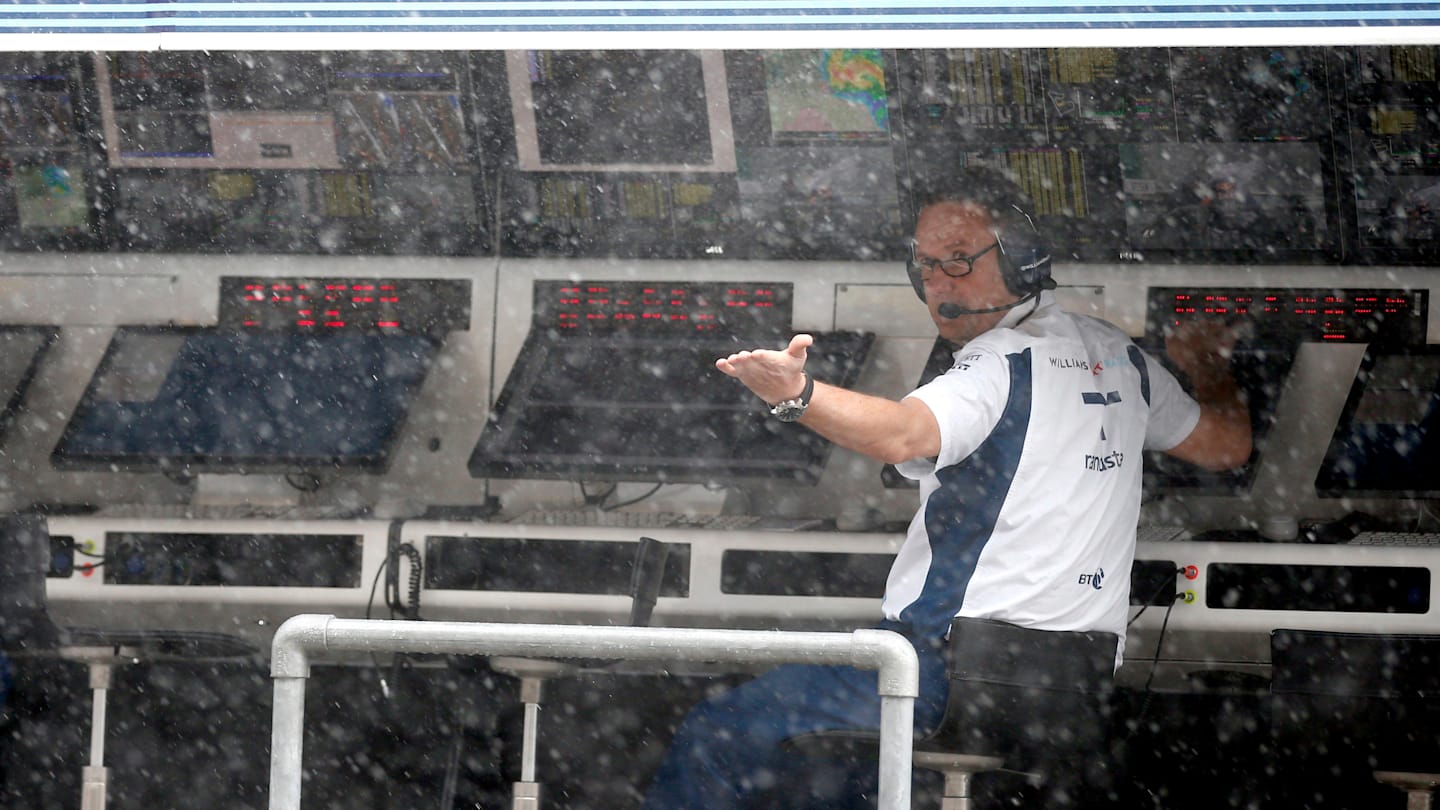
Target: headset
column 1023, row 255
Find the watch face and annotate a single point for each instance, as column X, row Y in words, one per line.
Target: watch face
column 789, row 410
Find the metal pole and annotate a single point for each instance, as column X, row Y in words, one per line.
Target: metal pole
column 886, row 652
column 527, row 790
column 290, row 667
column 897, row 732
column 528, row 736
column 286, row 737
column 95, row 777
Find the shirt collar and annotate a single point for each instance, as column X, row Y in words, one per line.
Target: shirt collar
column 1013, row 318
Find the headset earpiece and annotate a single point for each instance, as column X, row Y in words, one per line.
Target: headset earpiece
column 912, row 269
column 1024, row 256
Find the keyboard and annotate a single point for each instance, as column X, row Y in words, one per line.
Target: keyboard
column 653, row 520
column 1402, row 539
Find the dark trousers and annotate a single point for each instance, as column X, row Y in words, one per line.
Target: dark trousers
column 727, row 752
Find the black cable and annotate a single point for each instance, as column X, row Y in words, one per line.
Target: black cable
column 1160, row 643
column 1154, row 665
column 92, row 555
column 304, row 481
column 597, row 500
column 416, row 566
column 411, row 610
column 375, row 585
column 612, row 507
column 370, row 603
column 1153, row 597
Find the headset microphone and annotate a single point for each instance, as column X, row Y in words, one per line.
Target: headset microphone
column 951, row 311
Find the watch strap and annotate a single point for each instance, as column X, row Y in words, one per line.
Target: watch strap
column 791, row 409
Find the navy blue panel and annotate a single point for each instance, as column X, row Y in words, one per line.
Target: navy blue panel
column 960, row 516
column 1138, row 358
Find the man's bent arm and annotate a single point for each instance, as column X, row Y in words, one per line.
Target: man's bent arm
column 881, row 428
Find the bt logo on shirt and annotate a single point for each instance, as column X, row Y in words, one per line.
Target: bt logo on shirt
column 1093, row 580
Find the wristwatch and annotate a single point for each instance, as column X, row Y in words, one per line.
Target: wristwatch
column 791, row 409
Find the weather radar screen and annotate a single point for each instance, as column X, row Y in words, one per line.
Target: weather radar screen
column 830, row 94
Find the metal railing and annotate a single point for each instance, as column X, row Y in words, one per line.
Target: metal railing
column 881, row 650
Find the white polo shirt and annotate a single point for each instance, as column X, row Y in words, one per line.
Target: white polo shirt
column 1028, row 514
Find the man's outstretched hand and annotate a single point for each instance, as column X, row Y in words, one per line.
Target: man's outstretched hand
column 774, row 376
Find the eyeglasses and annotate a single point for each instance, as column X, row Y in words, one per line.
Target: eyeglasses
column 951, row 266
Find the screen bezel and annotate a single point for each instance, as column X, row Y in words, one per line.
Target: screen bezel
column 11, row 407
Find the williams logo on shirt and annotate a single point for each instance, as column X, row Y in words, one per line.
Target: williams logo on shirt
column 1070, row 362
column 1094, row 580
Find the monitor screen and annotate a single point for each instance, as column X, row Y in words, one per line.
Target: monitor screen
column 1382, row 444
column 1225, row 197
column 837, row 93
column 21, row 348
column 51, row 194
column 193, row 400
column 1135, row 154
column 637, row 406
column 1270, row 325
column 649, row 111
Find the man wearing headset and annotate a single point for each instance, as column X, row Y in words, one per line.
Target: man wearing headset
column 1028, row 452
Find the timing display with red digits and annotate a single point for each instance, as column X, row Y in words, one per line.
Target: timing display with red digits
column 345, row 304
column 672, row 307
column 1330, row 315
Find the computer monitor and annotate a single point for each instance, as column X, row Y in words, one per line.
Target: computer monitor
column 21, row 349
column 51, row 195
column 1270, row 324
column 1215, row 199
column 1387, row 440
column 617, row 381
column 616, row 111
column 636, row 407
column 207, row 400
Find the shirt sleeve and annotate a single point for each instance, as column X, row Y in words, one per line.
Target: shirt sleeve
column 1173, row 413
column 967, row 402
